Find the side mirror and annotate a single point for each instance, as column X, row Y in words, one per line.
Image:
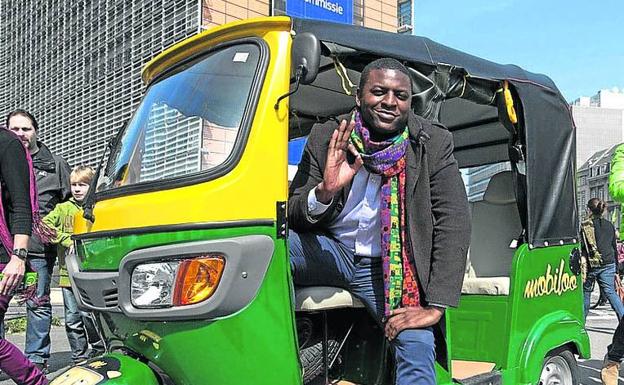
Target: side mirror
column 306, row 57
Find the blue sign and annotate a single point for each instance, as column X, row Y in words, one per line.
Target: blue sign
column 295, row 150
column 338, row 11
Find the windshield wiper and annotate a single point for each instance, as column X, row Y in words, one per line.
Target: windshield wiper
column 89, row 200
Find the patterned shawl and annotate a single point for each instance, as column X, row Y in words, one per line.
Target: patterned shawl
column 38, row 227
column 387, row 159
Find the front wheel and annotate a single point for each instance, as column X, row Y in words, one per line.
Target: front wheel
column 560, row 368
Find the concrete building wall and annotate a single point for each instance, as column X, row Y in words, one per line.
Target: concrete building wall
column 217, row 12
column 381, row 14
column 76, row 65
column 596, row 129
column 593, row 182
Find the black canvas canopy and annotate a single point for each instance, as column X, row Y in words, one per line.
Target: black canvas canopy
column 462, row 92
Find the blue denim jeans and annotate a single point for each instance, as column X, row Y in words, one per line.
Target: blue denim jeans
column 320, row 260
column 74, row 327
column 605, row 276
column 39, row 313
column 80, row 329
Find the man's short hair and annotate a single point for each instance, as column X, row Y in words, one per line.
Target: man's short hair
column 81, row 174
column 24, row 113
column 385, row 63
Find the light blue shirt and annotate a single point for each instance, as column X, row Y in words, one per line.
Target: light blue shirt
column 358, row 226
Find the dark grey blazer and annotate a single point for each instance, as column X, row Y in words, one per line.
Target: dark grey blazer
column 438, row 216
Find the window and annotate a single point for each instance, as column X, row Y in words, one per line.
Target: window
column 187, row 122
column 476, row 179
column 582, row 200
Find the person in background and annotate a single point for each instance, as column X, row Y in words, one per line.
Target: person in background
column 620, row 256
column 52, row 176
column 615, row 352
column 599, row 238
column 18, row 208
column 78, row 326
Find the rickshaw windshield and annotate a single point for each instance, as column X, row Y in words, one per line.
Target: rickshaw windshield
column 188, row 122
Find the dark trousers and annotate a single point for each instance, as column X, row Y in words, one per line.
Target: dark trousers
column 616, row 349
column 320, row 260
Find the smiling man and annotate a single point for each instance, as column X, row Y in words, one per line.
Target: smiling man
column 394, row 232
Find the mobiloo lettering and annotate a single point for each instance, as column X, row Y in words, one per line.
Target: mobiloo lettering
column 558, row 283
column 328, row 5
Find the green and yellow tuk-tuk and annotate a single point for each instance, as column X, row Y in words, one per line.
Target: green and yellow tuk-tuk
column 183, row 260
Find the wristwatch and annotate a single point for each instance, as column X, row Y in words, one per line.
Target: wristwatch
column 21, row 253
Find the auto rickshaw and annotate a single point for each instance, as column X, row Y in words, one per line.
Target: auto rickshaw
column 182, row 254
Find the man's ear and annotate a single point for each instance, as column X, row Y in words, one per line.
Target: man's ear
column 357, row 98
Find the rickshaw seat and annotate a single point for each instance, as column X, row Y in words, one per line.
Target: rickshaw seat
column 315, row 298
column 486, row 286
column 495, row 224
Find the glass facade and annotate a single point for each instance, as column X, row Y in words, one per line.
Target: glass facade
column 404, row 17
column 477, row 178
column 76, row 65
column 187, row 122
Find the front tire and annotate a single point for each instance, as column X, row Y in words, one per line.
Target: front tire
column 560, row 368
column 310, row 336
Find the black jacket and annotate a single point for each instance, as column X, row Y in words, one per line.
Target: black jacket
column 605, row 240
column 438, row 215
column 15, row 185
column 53, row 186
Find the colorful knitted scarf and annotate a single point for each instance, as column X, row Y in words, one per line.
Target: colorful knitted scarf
column 38, row 227
column 387, row 159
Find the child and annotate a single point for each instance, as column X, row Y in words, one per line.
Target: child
column 62, row 220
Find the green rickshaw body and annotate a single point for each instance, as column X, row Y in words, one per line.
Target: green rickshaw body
column 542, row 313
column 255, row 343
column 231, row 206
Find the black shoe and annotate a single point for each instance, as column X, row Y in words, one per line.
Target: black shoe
column 77, row 361
column 96, row 353
column 43, row 366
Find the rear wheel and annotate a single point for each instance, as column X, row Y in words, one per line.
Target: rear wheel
column 560, row 368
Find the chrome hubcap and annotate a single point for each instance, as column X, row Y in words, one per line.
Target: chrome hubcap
column 556, row 371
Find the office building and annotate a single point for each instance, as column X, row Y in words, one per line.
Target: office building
column 599, row 122
column 76, row 65
column 405, row 17
column 593, row 182
column 477, row 178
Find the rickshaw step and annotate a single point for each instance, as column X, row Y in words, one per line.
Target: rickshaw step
column 492, row 378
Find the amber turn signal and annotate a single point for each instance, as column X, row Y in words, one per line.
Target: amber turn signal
column 197, row 279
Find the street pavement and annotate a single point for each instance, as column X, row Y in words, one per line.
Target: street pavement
column 601, row 324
